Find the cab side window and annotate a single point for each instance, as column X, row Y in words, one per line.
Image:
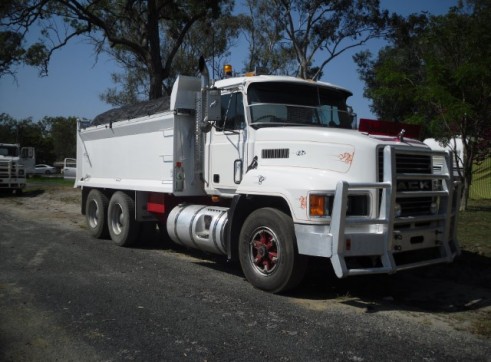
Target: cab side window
column 232, row 112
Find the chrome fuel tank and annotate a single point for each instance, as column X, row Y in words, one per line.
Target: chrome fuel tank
column 199, row 227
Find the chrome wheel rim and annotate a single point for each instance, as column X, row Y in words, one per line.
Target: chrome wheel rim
column 93, row 214
column 117, row 219
column 264, row 251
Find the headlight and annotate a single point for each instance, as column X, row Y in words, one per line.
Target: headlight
column 358, row 205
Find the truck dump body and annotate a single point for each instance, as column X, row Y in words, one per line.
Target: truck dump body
column 138, row 153
column 132, row 154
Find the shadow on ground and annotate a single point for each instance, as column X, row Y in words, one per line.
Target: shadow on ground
column 460, row 286
column 445, row 289
column 21, row 193
column 463, row 285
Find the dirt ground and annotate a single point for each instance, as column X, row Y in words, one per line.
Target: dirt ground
column 454, row 297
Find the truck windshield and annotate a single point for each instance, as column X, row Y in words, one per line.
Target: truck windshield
column 291, row 104
column 9, row 151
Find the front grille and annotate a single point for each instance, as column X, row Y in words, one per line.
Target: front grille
column 407, row 164
column 415, row 206
column 8, row 169
column 413, row 163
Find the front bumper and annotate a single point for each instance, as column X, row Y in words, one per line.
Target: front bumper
column 386, row 243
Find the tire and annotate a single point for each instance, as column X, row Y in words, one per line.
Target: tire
column 268, row 251
column 95, row 214
column 123, row 227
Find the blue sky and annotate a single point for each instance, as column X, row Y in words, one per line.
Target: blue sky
column 76, row 80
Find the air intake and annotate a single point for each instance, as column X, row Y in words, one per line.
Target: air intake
column 276, row 153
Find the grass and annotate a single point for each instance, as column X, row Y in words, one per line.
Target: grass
column 474, row 228
column 49, row 181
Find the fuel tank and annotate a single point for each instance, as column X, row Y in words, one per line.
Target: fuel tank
column 199, row 227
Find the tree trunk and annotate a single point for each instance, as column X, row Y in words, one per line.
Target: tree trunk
column 465, row 194
column 154, row 60
column 467, row 180
column 155, row 90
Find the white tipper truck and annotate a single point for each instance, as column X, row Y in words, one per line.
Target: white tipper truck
column 15, row 164
column 267, row 170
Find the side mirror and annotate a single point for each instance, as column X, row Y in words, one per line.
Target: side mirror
column 213, row 109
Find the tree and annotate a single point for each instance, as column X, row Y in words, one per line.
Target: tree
column 398, row 65
column 208, row 37
column 268, row 50
column 61, row 133
column 8, row 129
column 301, row 29
column 149, row 33
column 25, row 132
column 54, row 138
column 11, row 52
column 438, row 75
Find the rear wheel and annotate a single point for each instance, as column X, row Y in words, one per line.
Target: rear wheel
column 123, row 227
column 95, row 214
column 268, row 251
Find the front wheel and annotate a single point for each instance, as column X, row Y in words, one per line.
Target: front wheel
column 123, row 227
column 268, row 251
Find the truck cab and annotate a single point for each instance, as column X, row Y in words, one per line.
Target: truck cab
column 15, row 162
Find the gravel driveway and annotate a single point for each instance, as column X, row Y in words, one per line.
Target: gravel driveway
column 66, row 296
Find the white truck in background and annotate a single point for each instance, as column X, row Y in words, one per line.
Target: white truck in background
column 69, row 168
column 456, row 150
column 268, row 170
column 15, row 164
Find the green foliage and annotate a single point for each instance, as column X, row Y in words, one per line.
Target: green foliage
column 267, row 49
column 294, row 32
column 142, row 35
column 8, row 129
column 436, row 73
column 36, row 55
column 208, row 37
column 62, row 132
column 11, row 51
column 54, row 138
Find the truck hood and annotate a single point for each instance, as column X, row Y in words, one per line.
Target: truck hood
column 328, row 149
column 9, row 158
column 324, row 134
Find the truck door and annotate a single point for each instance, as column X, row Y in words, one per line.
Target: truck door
column 28, row 158
column 226, row 147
